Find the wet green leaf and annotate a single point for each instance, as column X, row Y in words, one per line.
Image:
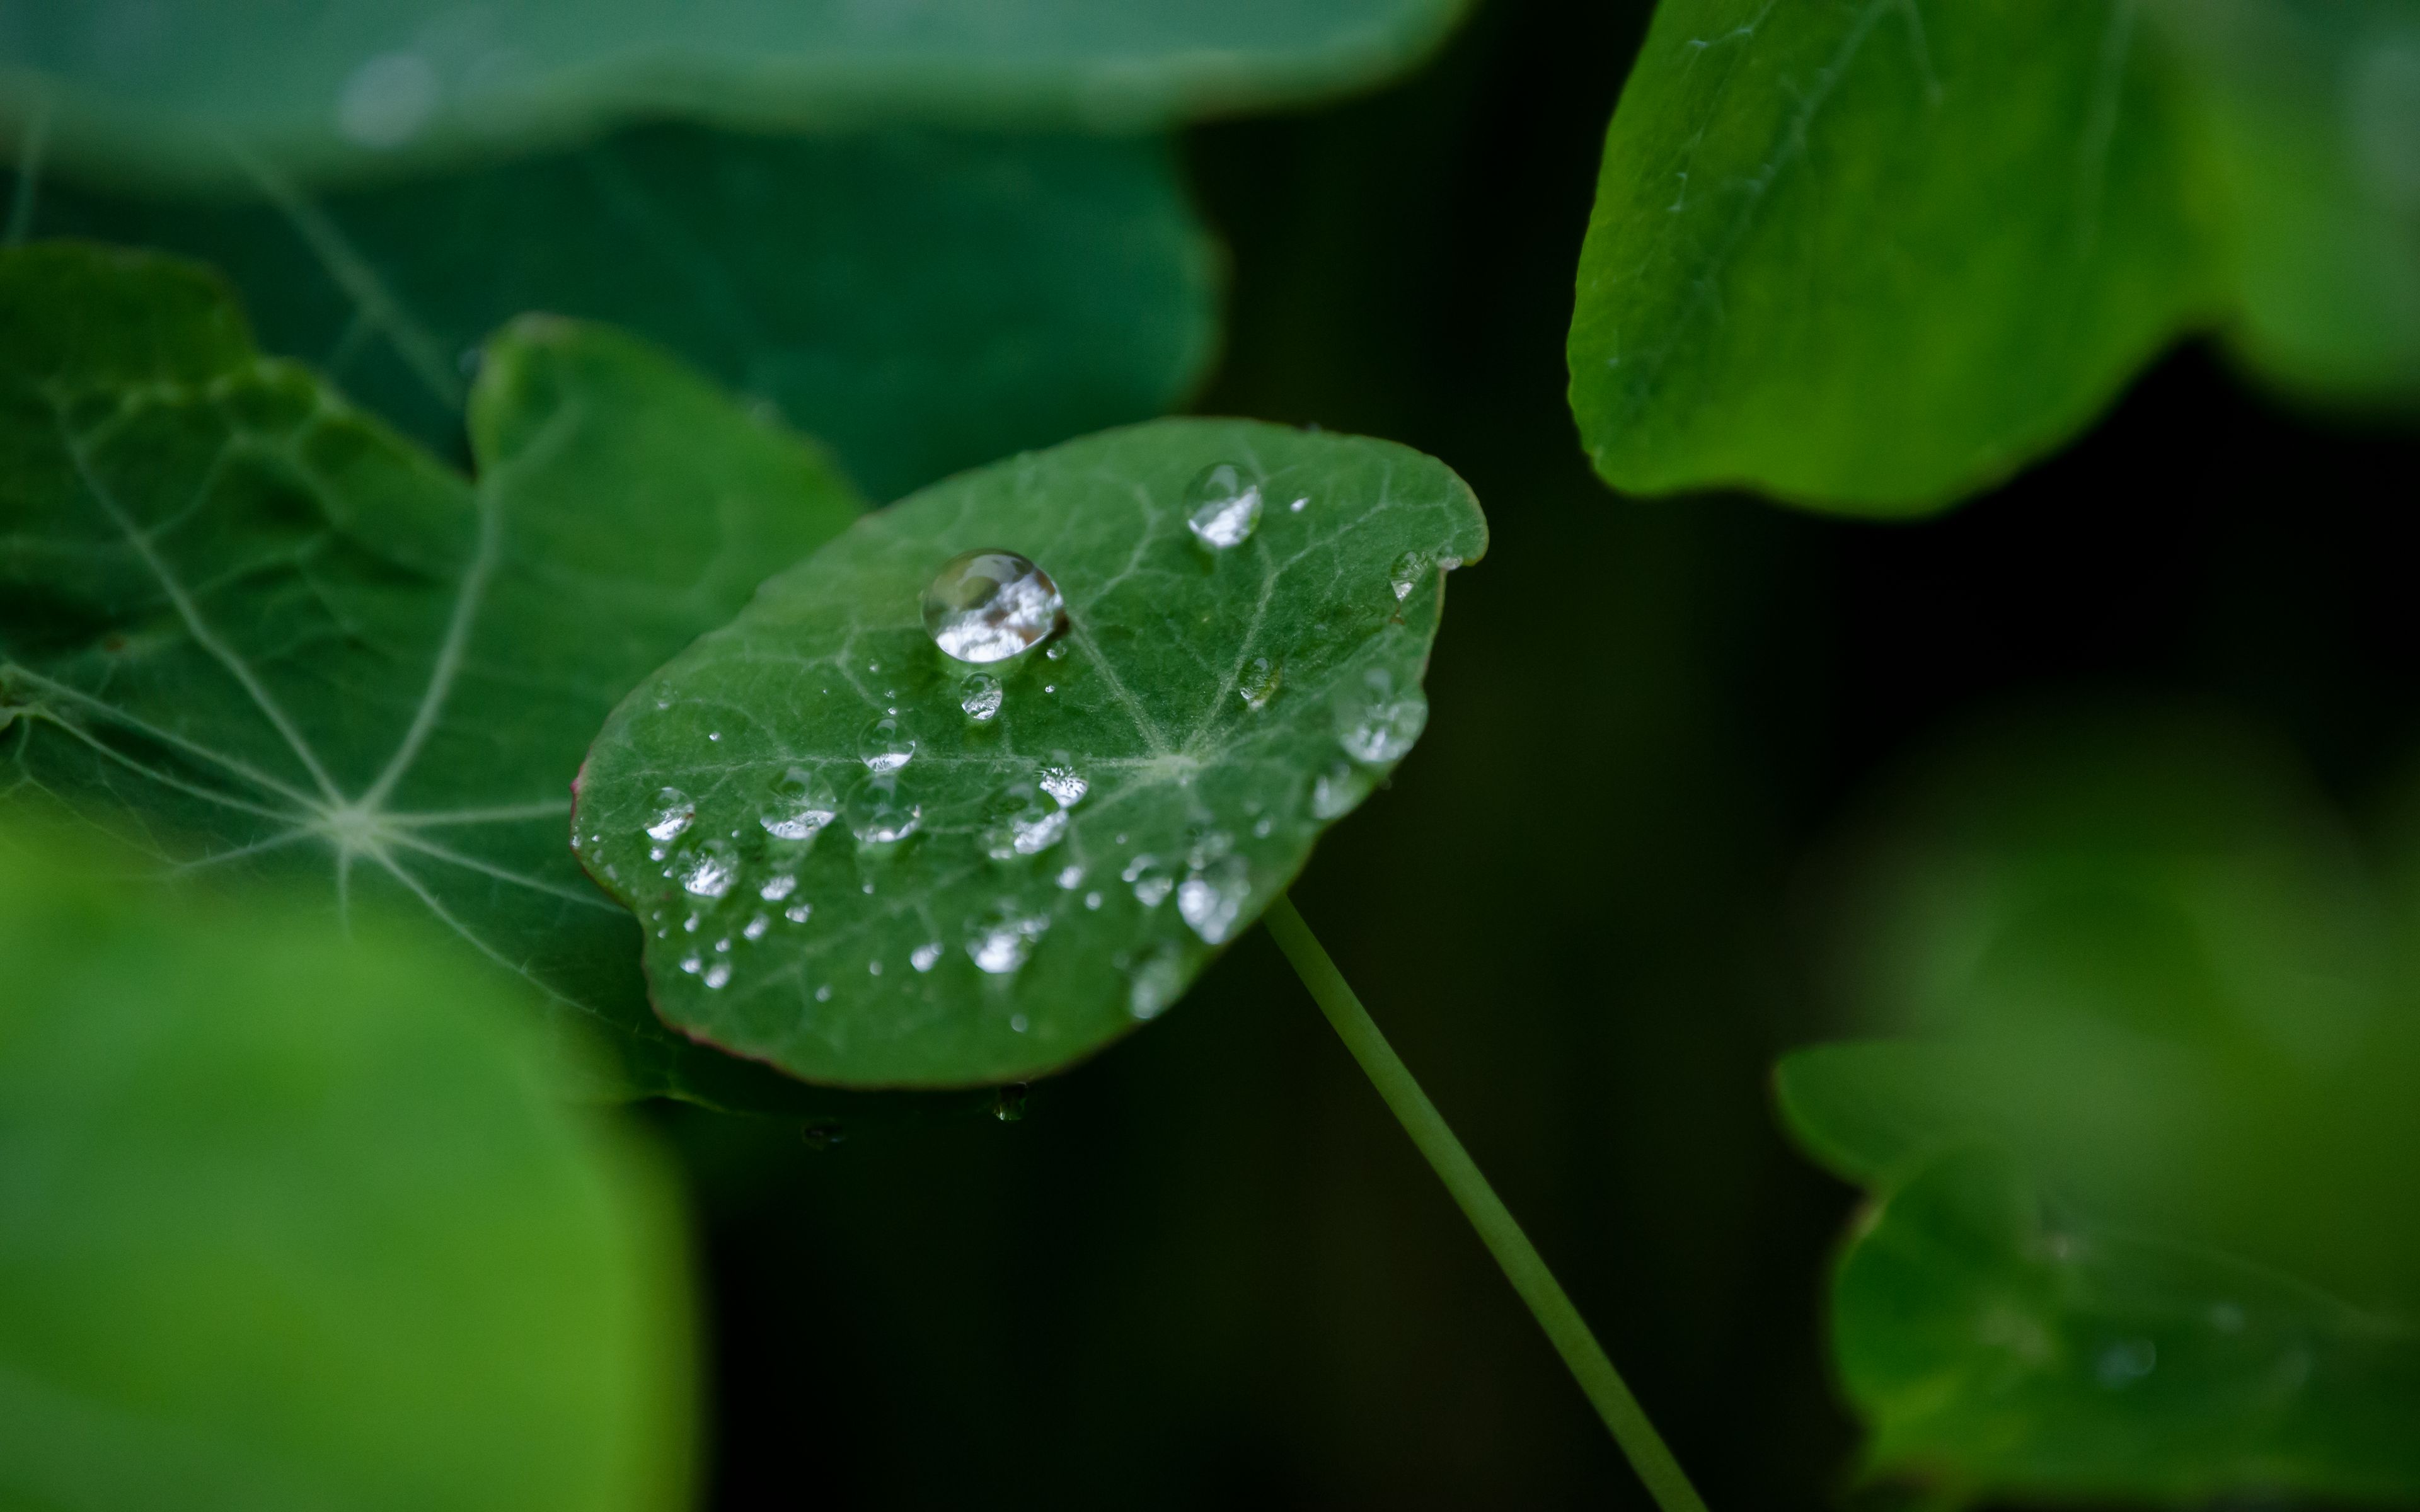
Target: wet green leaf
column 921, row 301
column 1870, row 255
column 2314, row 112
column 1144, row 784
column 1998, row 1347
column 296, row 1221
column 247, row 620
column 320, row 88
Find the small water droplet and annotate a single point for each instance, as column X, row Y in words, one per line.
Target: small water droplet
column 672, row 815
column 798, row 913
column 1335, row 792
column 1000, row 942
column 803, row 803
column 981, row 697
column 714, row 734
column 1093, row 900
column 823, row 994
column 1222, row 507
column 1263, row 825
column 874, row 968
column 1153, row 881
column 1063, row 783
column 1157, row 983
column 879, row 815
column 688, row 925
column 1374, row 723
column 1017, row 1023
column 2124, row 1363
column 1070, row 878
column 778, row 887
column 1407, row 574
column 1055, row 653
column 710, row 869
column 1008, row 1103
column 723, row 946
column 886, row 745
column 755, row 927
column 718, row 974
column 926, row 956
column 989, row 605
column 692, row 963
column 1022, row 822
column 1212, row 897
column 1300, row 504
column 1259, row 683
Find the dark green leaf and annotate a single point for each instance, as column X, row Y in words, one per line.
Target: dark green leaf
column 169, row 88
column 1202, row 700
column 1870, row 255
column 291, row 1221
column 1997, row 1347
column 922, row 300
column 240, row 615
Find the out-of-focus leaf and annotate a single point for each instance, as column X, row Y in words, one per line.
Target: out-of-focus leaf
column 185, row 88
column 921, row 301
column 1994, row 1345
column 245, row 619
column 293, row 1222
column 1870, row 255
column 2313, row 110
column 1147, row 783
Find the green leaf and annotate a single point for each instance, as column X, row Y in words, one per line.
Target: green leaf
column 922, row 300
column 292, row 1221
column 2028, row 1354
column 2314, row 112
column 247, row 620
column 325, row 88
column 1870, row 255
column 1197, row 701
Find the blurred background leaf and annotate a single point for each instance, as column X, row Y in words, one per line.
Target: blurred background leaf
column 191, row 89
column 922, row 300
column 288, row 1221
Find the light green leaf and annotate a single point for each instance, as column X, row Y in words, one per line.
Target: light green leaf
column 922, row 300
column 291, row 1221
column 1148, row 782
column 245, row 617
column 322, row 89
column 2002, row 1348
column 1872, row 255
column 2313, row 108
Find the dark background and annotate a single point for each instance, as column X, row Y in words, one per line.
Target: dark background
column 1208, row 1269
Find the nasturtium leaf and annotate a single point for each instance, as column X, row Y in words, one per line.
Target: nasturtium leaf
column 2006, row 1348
column 292, row 1221
column 873, row 865
column 922, row 300
column 1870, row 254
column 2313, row 112
column 247, row 619
column 168, row 87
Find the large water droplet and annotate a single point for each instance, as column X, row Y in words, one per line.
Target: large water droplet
column 989, row 605
column 1335, row 792
column 1000, row 942
column 1259, row 682
column 1157, row 982
column 1222, row 507
column 878, row 814
column 1212, row 897
column 1022, row 822
column 1374, row 723
column 803, row 802
column 709, row 871
column 887, row 744
column 1407, row 574
column 981, row 697
column 1064, row 784
column 672, row 813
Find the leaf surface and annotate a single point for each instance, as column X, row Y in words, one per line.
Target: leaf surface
column 1994, row 1345
column 922, row 300
column 328, row 88
column 247, row 619
column 1150, row 780
column 1872, row 254
column 292, row 1221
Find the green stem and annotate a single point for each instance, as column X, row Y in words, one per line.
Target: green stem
column 1487, row 1213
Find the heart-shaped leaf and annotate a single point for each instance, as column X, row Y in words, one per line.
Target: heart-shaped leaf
column 296, row 1222
column 871, row 864
column 1870, row 256
column 2003, row 1350
column 922, row 300
column 323, row 87
column 245, row 618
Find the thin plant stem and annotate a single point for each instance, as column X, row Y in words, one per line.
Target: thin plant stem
column 1666, row 1481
